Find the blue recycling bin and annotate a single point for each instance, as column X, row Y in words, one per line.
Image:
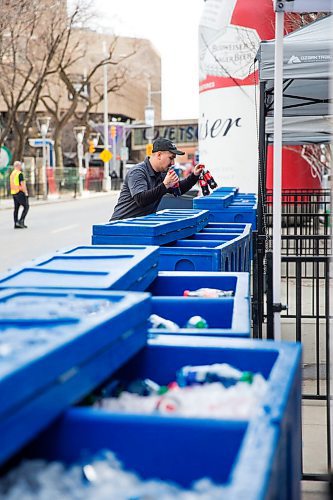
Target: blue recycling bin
column 253, row 459
column 227, row 227
column 215, row 201
column 56, row 347
column 208, row 251
column 185, row 201
column 229, row 206
column 155, row 229
column 91, row 267
column 174, row 283
column 226, row 317
column 235, row 213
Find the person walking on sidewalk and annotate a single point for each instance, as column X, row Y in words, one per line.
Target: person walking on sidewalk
column 19, row 191
column 147, row 182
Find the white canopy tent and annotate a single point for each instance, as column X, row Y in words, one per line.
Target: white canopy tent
column 294, row 74
column 307, row 69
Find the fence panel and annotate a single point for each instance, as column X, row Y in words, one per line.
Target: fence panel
column 306, row 281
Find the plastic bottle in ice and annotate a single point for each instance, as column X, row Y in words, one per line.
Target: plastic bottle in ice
column 162, row 323
column 208, row 292
column 143, row 387
column 197, row 322
column 168, row 403
column 218, row 372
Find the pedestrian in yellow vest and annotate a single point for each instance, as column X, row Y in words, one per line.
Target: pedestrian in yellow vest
column 19, row 191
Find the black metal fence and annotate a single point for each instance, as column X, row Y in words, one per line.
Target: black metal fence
column 306, row 279
column 304, row 212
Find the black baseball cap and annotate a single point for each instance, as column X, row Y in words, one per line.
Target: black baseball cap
column 166, row 145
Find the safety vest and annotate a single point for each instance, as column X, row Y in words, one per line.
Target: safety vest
column 14, row 182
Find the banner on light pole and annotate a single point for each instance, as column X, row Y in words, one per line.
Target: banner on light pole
column 149, row 116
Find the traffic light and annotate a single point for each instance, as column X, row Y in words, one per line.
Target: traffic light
column 91, row 147
column 149, row 149
column 113, row 131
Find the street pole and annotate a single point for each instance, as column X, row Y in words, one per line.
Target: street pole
column 277, row 172
column 106, row 176
column 114, row 148
column 43, row 123
column 80, row 156
column 79, row 134
column 44, row 132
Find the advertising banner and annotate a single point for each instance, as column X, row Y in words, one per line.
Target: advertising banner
column 229, row 36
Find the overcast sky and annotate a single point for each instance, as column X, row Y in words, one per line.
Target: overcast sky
column 172, row 27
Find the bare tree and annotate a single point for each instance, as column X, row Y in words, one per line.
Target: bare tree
column 34, row 45
column 85, row 91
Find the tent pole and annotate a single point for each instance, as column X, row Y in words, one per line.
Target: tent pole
column 261, row 153
column 277, row 172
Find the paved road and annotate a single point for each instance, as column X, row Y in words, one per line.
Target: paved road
column 52, row 226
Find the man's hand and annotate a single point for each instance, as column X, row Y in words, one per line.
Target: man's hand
column 198, row 169
column 170, row 179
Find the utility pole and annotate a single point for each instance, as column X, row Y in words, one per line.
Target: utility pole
column 106, row 177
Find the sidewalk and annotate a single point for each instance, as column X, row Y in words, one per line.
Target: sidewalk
column 8, row 204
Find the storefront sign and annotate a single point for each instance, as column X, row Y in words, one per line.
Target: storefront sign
column 180, row 134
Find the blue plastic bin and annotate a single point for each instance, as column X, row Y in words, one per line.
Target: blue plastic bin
column 221, row 227
column 229, row 207
column 173, row 283
column 221, row 252
column 235, row 213
column 60, row 346
column 89, row 267
column 155, row 229
column 226, row 317
column 215, row 201
column 184, row 201
column 255, row 460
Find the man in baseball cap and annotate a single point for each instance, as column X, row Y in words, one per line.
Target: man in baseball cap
column 166, row 145
column 147, row 182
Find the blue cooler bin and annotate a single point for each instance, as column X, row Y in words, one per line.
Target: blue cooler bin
column 155, row 229
column 111, row 267
column 235, row 213
column 215, row 201
column 227, row 227
column 231, row 314
column 174, row 283
column 226, row 317
column 60, row 346
column 255, row 459
column 231, row 207
column 206, row 251
column 185, row 201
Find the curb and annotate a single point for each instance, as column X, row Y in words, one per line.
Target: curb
column 33, row 202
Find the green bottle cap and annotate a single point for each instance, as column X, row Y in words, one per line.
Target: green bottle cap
column 162, row 390
column 247, row 377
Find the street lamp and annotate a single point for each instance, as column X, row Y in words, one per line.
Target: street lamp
column 79, row 134
column 43, row 123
